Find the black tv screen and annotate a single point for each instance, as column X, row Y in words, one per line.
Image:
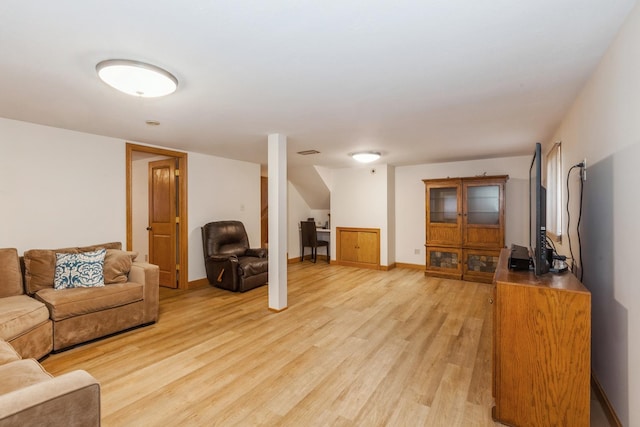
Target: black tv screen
column 538, row 215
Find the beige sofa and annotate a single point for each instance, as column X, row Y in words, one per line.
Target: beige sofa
column 129, row 298
column 40, row 318
column 24, row 321
column 36, row 318
column 30, row 396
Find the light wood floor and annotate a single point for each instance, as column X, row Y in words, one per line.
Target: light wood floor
column 355, row 348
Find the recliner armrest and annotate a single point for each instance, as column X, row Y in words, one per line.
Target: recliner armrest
column 221, row 258
column 257, row 252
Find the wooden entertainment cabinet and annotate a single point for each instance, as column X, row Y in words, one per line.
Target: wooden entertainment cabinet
column 541, row 348
column 464, row 226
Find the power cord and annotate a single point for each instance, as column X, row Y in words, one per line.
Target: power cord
column 573, row 259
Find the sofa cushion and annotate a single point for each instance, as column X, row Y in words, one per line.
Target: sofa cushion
column 40, row 268
column 7, row 353
column 40, row 264
column 19, row 314
column 21, row 374
column 83, row 270
column 117, row 265
column 66, row 303
column 10, row 274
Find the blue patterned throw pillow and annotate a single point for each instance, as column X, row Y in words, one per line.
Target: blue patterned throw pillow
column 82, row 270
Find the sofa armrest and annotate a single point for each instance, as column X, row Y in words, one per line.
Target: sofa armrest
column 71, row 399
column 257, row 252
column 148, row 275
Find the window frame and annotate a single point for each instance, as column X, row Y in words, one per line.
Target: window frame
column 553, row 183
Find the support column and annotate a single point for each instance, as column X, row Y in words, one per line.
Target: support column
column 277, row 185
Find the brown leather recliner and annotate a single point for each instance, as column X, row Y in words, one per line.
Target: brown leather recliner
column 229, row 262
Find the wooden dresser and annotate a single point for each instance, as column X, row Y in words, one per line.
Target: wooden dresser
column 541, row 348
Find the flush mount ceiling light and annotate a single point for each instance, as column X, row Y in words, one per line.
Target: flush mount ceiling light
column 137, row 78
column 365, row 156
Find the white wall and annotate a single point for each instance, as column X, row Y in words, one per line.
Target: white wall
column 410, row 200
column 221, row 189
column 321, row 216
column 359, row 199
column 63, row 188
column 59, row 188
column 603, row 125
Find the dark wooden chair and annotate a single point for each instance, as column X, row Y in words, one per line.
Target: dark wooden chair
column 309, row 238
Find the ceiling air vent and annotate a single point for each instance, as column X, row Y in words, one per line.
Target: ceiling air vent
column 308, row 152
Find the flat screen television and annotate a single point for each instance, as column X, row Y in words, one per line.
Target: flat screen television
column 538, row 215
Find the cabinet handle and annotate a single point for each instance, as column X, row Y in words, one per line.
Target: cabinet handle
column 490, row 300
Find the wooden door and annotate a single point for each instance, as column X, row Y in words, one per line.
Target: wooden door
column 368, row 247
column 443, row 212
column 348, row 246
column 483, row 213
column 443, row 261
column 163, row 220
column 479, row 265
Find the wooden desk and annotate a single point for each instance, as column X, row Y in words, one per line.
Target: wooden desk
column 541, row 348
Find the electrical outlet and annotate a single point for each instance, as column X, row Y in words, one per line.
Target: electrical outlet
column 584, row 169
column 416, row 251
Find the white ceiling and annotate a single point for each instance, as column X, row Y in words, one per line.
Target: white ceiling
column 421, row 81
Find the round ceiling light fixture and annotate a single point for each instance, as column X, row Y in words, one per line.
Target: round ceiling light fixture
column 365, row 156
column 137, row 78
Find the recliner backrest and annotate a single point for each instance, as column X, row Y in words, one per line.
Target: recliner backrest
column 224, row 238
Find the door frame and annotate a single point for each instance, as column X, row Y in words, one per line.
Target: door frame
column 183, row 238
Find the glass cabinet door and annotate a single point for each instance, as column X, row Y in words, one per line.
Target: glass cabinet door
column 483, row 213
column 444, row 212
column 443, row 204
column 483, row 205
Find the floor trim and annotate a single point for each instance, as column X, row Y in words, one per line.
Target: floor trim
column 412, row 266
column 199, row 283
column 604, row 402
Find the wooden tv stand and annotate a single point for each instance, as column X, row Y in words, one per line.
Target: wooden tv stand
column 541, row 348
